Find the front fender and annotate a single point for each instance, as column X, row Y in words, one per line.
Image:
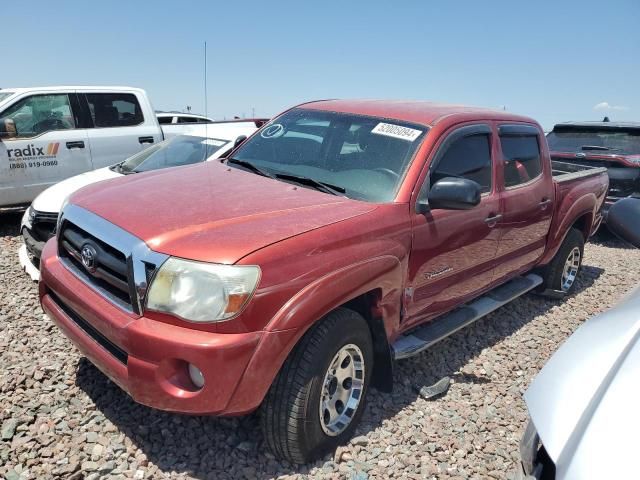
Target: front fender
column 308, row 306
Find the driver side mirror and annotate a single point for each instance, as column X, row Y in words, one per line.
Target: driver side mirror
column 239, row 140
column 8, row 128
column 623, row 220
column 451, row 193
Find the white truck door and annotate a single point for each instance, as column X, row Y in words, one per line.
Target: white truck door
column 42, row 144
column 124, row 124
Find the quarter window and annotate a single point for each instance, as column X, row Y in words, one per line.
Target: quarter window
column 114, row 109
column 38, row 114
column 469, row 157
column 521, row 154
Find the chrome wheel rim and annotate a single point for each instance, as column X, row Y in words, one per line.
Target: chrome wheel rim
column 570, row 270
column 341, row 390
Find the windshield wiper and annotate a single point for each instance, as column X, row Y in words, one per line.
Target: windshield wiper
column 249, row 166
column 310, row 182
column 597, row 147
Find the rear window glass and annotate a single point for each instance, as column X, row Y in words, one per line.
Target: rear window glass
column 522, row 161
column 165, row 120
column 114, row 109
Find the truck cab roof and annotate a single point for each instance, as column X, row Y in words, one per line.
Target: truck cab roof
column 64, row 88
column 598, row 125
column 421, row 112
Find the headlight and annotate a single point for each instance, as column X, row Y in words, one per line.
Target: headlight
column 201, row 292
column 65, row 202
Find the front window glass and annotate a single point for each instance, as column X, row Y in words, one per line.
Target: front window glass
column 592, row 140
column 38, row 114
column 177, row 151
column 365, row 156
column 468, row 157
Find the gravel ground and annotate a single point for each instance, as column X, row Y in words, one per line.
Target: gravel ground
column 60, row 416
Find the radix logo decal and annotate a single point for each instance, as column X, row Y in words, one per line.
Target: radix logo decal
column 31, row 152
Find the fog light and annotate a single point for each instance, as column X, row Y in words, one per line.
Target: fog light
column 196, row 376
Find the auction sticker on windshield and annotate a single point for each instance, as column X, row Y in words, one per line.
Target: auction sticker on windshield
column 396, row 131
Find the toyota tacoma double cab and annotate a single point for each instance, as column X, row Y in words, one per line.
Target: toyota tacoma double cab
column 290, row 276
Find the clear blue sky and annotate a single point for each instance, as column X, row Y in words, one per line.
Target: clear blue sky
column 552, row 60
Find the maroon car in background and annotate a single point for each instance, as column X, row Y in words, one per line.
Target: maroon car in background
column 613, row 145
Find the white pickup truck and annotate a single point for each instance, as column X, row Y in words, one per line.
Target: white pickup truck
column 48, row 134
column 38, row 225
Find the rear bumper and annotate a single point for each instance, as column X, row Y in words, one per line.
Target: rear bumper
column 149, row 359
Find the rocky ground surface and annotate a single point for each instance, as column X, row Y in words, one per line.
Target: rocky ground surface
column 60, row 417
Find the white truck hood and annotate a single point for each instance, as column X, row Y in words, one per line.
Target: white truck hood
column 584, row 402
column 51, row 199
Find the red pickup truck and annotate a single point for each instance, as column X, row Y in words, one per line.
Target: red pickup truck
column 612, row 145
column 342, row 236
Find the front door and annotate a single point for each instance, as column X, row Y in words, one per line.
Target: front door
column 44, row 146
column 453, row 251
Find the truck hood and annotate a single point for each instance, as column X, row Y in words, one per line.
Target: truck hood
column 211, row 212
column 51, row 199
column 583, row 403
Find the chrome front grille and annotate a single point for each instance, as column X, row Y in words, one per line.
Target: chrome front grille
column 110, row 260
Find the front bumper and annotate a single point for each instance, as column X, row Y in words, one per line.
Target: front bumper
column 147, row 358
column 27, row 265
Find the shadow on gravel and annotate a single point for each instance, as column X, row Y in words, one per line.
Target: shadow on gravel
column 10, row 224
column 605, row 238
column 221, row 448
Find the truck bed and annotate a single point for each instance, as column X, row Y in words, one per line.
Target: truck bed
column 565, row 171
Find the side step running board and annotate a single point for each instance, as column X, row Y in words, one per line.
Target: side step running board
column 425, row 336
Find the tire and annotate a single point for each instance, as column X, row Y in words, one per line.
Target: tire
column 556, row 280
column 291, row 411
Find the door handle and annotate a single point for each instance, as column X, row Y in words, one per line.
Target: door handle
column 145, row 139
column 544, row 203
column 491, row 221
column 71, row 145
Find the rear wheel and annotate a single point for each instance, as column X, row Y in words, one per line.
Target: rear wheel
column 560, row 275
column 318, row 397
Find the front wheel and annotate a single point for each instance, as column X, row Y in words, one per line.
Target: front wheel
column 318, row 397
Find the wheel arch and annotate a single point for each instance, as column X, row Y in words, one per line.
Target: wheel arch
column 371, row 288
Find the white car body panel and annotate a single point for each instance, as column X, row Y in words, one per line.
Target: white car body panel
column 583, row 403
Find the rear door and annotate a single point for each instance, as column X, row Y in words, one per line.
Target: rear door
column 47, row 145
column 527, row 198
column 120, row 128
column 453, row 251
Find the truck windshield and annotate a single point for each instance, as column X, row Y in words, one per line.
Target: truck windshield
column 179, row 150
column 622, row 141
column 364, row 157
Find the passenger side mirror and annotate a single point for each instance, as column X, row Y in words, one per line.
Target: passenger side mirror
column 623, row 220
column 8, row 128
column 239, row 140
column 453, row 193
